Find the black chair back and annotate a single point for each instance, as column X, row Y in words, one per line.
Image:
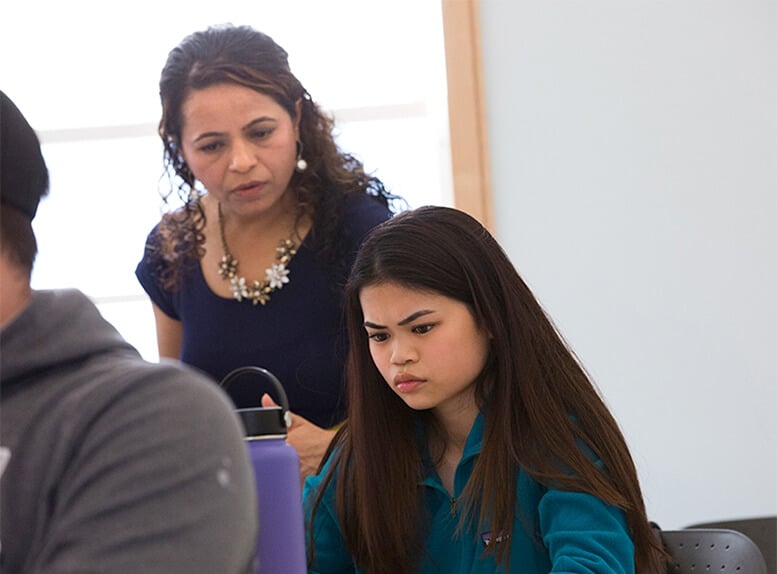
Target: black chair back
column 712, row 551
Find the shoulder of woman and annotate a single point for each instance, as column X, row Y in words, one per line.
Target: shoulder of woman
column 314, row 483
column 363, row 212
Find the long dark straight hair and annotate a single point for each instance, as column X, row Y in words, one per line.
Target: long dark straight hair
column 540, row 403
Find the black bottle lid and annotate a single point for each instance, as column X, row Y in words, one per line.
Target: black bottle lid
column 260, row 422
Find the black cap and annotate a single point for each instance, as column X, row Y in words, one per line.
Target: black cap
column 259, row 422
column 24, row 178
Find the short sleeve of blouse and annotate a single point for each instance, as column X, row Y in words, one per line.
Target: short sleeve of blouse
column 147, row 273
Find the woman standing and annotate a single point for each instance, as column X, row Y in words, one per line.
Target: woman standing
column 250, row 269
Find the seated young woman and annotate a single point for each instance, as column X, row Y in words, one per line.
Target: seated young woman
column 475, row 441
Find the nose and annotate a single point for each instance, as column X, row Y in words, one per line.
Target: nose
column 243, row 157
column 403, row 352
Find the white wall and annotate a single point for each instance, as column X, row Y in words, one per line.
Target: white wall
column 634, row 172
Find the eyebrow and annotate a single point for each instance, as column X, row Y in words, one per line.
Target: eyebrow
column 248, row 127
column 409, row 319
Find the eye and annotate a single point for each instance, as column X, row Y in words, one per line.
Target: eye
column 423, row 329
column 211, row 146
column 377, row 337
column 262, row 133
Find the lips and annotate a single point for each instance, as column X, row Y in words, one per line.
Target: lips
column 249, row 188
column 406, row 382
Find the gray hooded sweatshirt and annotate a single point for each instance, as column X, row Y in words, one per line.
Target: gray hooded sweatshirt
column 113, row 464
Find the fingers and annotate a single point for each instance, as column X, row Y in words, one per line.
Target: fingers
column 267, row 401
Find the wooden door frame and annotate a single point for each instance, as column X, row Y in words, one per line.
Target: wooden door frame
column 466, row 109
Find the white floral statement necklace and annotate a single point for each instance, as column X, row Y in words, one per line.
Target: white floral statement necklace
column 275, row 276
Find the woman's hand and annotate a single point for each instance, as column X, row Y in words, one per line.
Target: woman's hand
column 308, row 440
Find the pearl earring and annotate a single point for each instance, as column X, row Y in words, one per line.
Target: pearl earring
column 302, row 165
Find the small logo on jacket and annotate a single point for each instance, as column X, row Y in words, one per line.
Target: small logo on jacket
column 488, row 538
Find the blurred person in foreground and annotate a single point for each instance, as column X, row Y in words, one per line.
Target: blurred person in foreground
column 108, row 463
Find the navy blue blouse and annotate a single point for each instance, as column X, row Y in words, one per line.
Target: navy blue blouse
column 299, row 335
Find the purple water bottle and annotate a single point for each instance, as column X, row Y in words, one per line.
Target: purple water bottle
column 281, row 545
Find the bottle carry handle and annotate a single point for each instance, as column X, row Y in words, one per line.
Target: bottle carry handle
column 284, row 401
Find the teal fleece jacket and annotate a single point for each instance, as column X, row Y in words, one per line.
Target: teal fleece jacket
column 563, row 531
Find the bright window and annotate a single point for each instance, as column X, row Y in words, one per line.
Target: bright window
column 86, row 76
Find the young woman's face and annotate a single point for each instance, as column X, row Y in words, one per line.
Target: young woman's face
column 427, row 346
column 240, row 144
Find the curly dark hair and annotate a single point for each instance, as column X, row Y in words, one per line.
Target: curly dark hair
column 244, row 56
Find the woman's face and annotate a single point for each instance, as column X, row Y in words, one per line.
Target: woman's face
column 241, row 145
column 426, row 346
